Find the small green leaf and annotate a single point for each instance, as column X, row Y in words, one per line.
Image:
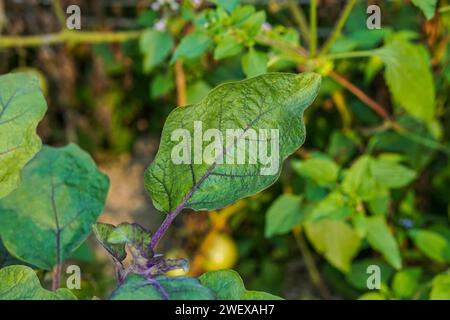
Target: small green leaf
column 228, row 46
column 242, row 13
column 322, row 170
column 406, row 282
column 161, row 85
column 192, row 46
column 357, row 276
column 61, row 196
column 391, row 174
column 254, row 63
column 197, row 91
column 22, row 283
column 273, row 102
column 379, row 202
column 432, row 244
column 283, row 215
column 137, row 287
column 428, row 7
column 155, row 46
column 333, row 206
column 228, row 285
column 381, row 239
column 440, row 289
column 409, row 78
column 254, row 23
column 358, row 180
column 22, row 106
column 228, row 5
column 335, row 240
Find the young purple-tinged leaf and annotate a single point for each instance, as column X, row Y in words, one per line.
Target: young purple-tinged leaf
column 102, row 232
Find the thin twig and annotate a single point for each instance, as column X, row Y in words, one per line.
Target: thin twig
column 300, row 19
column 180, row 80
column 313, row 272
column 339, row 25
column 375, row 106
column 59, row 12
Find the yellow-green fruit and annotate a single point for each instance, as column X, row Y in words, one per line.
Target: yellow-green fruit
column 222, row 254
column 176, row 254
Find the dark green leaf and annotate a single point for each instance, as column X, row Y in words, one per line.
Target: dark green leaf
column 228, row 285
column 136, row 287
column 283, row 215
column 155, row 46
column 228, row 46
column 357, row 276
column 406, row 282
column 61, row 196
column 322, row 170
column 192, row 46
column 432, row 244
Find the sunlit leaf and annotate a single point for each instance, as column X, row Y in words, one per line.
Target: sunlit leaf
column 22, row 283
column 22, row 106
column 272, row 101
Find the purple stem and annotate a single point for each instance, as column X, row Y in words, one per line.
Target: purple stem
column 172, row 215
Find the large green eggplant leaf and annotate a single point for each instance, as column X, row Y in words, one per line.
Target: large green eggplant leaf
column 22, row 106
column 137, row 287
column 263, row 112
column 22, row 283
column 51, row 213
column 228, row 285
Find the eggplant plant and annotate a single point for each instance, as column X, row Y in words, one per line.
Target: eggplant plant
column 61, row 193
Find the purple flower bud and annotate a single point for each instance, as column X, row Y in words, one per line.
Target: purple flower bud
column 161, row 25
column 266, row 26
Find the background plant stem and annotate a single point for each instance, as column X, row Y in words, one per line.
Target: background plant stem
column 313, row 272
column 339, row 25
column 300, row 19
column 313, row 27
column 69, row 37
